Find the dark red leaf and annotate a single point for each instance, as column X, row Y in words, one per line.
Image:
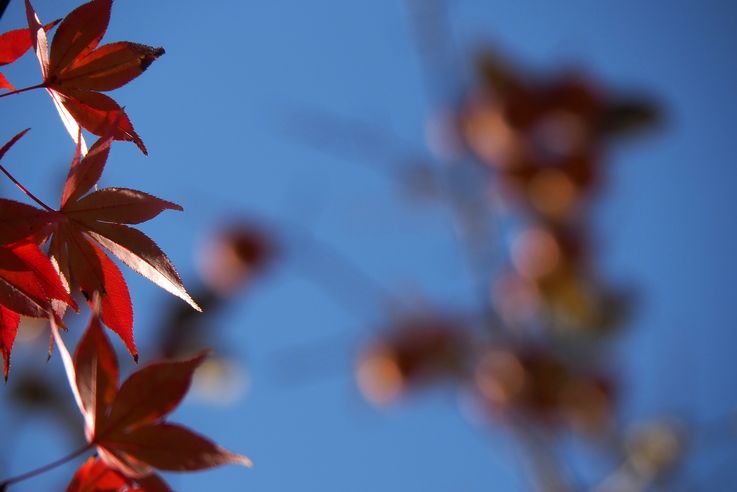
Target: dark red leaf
column 85, row 173
column 37, row 262
column 5, row 83
column 109, row 67
column 28, row 284
column 25, row 299
column 19, row 221
column 28, row 281
column 79, row 33
column 96, row 375
column 96, row 476
column 94, row 272
column 152, row 392
column 38, row 38
column 118, row 205
column 171, row 447
column 72, row 126
column 15, row 43
column 77, row 68
column 97, row 112
column 143, row 255
column 151, row 483
column 9, row 321
column 97, row 215
column 126, row 425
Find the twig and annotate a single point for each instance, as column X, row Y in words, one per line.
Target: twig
column 25, row 190
column 30, row 474
column 25, row 89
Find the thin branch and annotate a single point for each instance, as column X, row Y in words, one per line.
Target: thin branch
column 547, row 473
column 323, row 257
column 24, row 189
column 25, row 89
column 38, row 471
column 350, row 138
column 473, row 218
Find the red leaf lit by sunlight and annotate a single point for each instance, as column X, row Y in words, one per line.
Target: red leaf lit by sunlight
column 28, row 283
column 86, row 221
column 9, row 321
column 126, row 423
column 96, row 476
column 77, row 69
column 13, row 45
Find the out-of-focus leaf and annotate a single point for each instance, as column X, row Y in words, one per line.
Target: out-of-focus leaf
column 628, row 116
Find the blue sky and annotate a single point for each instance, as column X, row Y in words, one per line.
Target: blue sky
column 214, row 113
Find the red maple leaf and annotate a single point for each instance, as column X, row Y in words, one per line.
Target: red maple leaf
column 126, row 423
column 76, row 70
column 86, row 221
column 13, row 45
column 96, row 476
column 28, row 283
column 9, row 321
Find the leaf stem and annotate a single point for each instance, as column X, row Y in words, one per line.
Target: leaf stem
column 25, row 190
column 30, row 474
column 25, row 89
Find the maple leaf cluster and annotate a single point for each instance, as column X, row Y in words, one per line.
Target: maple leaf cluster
column 47, row 254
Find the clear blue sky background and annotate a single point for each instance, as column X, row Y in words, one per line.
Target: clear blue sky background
column 212, row 112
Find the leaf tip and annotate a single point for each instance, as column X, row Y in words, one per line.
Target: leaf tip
column 239, row 459
column 151, row 57
column 12, row 142
column 184, row 295
column 6, row 364
column 195, row 306
column 199, row 358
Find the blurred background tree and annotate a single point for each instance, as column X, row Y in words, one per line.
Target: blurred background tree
column 431, row 207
